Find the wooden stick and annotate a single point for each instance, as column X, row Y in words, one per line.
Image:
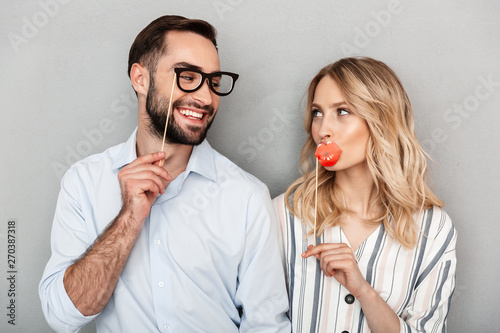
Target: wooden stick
column 168, row 116
column 316, row 202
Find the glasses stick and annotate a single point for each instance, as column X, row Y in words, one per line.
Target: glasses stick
column 168, row 116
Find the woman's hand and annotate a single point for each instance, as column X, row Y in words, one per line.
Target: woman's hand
column 338, row 260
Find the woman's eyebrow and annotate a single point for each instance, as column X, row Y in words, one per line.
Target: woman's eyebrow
column 331, row 106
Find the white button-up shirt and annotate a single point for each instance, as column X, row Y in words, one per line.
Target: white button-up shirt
column 206, row 260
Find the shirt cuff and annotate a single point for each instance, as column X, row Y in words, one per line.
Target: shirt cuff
column 66, row 317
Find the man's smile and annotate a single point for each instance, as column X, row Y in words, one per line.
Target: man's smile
column 191, row 114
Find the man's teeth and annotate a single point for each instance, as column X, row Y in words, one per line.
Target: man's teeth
column 193, row 114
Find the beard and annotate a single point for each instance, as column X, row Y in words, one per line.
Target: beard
column 157, row 109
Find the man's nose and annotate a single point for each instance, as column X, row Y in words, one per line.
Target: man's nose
column 204, row 94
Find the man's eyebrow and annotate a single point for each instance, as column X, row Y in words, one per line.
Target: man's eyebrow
column 184, row 64
column 187, row 65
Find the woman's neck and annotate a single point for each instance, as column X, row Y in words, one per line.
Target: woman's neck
column 358, row 187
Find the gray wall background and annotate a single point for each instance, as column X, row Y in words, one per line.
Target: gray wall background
column 64, row 94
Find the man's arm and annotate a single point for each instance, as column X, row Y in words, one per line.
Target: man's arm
column 90, row 281
column 70, row 289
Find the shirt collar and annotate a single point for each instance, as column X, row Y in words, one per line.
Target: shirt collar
column 128, row 152
column 202, row 160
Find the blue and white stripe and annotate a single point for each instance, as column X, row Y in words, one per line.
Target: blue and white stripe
column 416, row 283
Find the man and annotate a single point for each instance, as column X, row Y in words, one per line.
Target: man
column 179, row 240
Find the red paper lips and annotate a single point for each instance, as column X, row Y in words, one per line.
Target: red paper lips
column 328, row 153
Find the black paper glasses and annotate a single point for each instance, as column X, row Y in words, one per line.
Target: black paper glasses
column 191, row 79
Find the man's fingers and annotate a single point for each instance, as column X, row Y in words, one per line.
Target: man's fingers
column 135, row 183
column 148, row 158
column 152, row 159
column 134, row 170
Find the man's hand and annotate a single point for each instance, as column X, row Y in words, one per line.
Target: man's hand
column 141, row 182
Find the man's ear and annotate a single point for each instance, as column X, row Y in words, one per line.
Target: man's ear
column 139, row 76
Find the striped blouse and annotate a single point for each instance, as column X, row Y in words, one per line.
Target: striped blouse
column 416, row 283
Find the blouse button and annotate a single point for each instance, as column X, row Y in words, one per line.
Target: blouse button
column 349, row 299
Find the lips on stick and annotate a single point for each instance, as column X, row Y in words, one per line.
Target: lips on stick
column 328, row 153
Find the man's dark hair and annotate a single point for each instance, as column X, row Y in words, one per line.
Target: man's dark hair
column 150, row 45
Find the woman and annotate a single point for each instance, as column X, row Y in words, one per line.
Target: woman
column 381, row 255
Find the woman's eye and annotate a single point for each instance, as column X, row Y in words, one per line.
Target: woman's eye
column 316, row 113
column 342, row 112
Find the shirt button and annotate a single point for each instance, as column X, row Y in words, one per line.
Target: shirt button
column 166, row 327
column 349, row 299
column 161, row 284
column 157, row 242
column 345, row 331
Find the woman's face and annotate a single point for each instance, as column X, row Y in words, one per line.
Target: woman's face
column 333, row 120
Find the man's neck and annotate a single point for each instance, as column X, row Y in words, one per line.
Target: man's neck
column 177, row 155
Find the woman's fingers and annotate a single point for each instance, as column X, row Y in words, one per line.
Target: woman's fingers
column 323, row 247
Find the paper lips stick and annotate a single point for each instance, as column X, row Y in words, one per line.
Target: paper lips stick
column 328, row 153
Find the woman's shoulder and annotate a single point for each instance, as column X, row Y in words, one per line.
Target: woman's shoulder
column 435, row 223
column 282, row 209
column 280, row 200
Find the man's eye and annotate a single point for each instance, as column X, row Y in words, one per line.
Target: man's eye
column 216, row 81
column 187, row 78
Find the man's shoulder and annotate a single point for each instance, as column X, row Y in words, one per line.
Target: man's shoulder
column 229, row 174
column 97, row 163
column 226, row 166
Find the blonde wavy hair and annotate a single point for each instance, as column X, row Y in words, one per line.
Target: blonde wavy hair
column 395, row 159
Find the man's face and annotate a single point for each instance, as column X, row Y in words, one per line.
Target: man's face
column 192, row 113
